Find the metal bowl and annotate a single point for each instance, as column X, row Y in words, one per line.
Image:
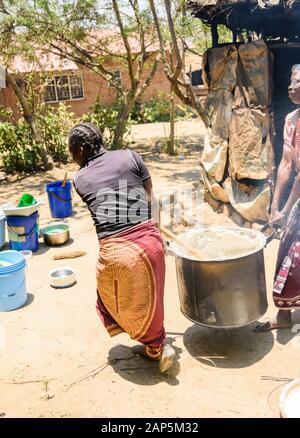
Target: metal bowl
column 63, row 277
column 289, row 400
column 56, row 234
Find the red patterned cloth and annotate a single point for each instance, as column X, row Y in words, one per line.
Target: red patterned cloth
column 291, row 136
column 130, row 280
column 286, row 289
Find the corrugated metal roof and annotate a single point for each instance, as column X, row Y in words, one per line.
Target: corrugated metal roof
column 46, row 62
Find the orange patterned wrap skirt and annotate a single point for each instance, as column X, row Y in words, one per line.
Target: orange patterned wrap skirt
column 130, row 284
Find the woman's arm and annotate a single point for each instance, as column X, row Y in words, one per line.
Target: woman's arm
column 294, row 195
column 283, row 176
column 153, row 205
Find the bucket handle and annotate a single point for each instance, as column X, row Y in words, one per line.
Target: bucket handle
column 24, row 234
column 63, row 221
column 61, row 199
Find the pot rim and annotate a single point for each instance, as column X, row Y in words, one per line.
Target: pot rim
column 64, row 227
column 294, row 384
column 65, row 281
column 255, row 233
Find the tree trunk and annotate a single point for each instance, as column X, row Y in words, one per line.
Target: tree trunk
column 120, row 129
column 171, row 142
column 30, row 119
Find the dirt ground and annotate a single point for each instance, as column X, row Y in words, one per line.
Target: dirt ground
column 58, row 361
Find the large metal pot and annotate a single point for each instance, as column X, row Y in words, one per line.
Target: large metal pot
column 223, row 293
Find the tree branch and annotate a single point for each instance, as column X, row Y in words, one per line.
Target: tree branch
column 30, row 119
column 149, row 78
column 188, row 97
column 126, row 44
column 179, row 63
column 87, row 60
column 158, row 30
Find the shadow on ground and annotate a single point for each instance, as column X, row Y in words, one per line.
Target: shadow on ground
column 155, row 150
column 284, row 336
column 141, row 371
column 235, row 348
column 30, row 299
column 26, row 183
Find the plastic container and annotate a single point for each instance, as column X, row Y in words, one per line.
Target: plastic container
column 60, row 199
column 11, row 209
column 13, row 293
column 26, row 200
column 23, row 232
column 27, row 254
column 2, row 229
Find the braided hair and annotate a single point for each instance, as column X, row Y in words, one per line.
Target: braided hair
column 88, row 136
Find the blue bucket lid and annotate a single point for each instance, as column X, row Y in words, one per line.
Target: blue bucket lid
column 15, row 260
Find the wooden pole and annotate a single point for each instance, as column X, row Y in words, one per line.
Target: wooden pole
column 180, row 242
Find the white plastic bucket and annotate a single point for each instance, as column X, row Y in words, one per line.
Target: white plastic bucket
column 11, row 209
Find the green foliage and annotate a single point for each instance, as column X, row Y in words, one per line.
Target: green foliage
column 5, row 114
column 157, row 109
column 106, row 118
column 20, row 153
column 166, row 147
column 184, row 112
column 54, row 127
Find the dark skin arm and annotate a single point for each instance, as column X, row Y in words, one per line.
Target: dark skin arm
column 294, row 196
column 283, row 176
column 153, row 204
column 151, row 200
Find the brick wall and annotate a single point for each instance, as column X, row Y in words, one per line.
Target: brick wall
column 8, row 99
column 95, row 87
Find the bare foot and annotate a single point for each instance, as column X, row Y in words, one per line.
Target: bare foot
column 142, row 351
column 165, row 355
column 282, row 320
column 166, row 358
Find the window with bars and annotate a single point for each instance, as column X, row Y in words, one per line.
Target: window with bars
column 61, row 88
column 117, row 77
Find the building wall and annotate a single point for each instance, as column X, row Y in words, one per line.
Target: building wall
column 8, row 99
column 96, row 88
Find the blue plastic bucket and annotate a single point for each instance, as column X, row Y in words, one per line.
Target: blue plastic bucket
column 13, row 293
column 2, row 229
column 23, row 232
column 60, row 199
